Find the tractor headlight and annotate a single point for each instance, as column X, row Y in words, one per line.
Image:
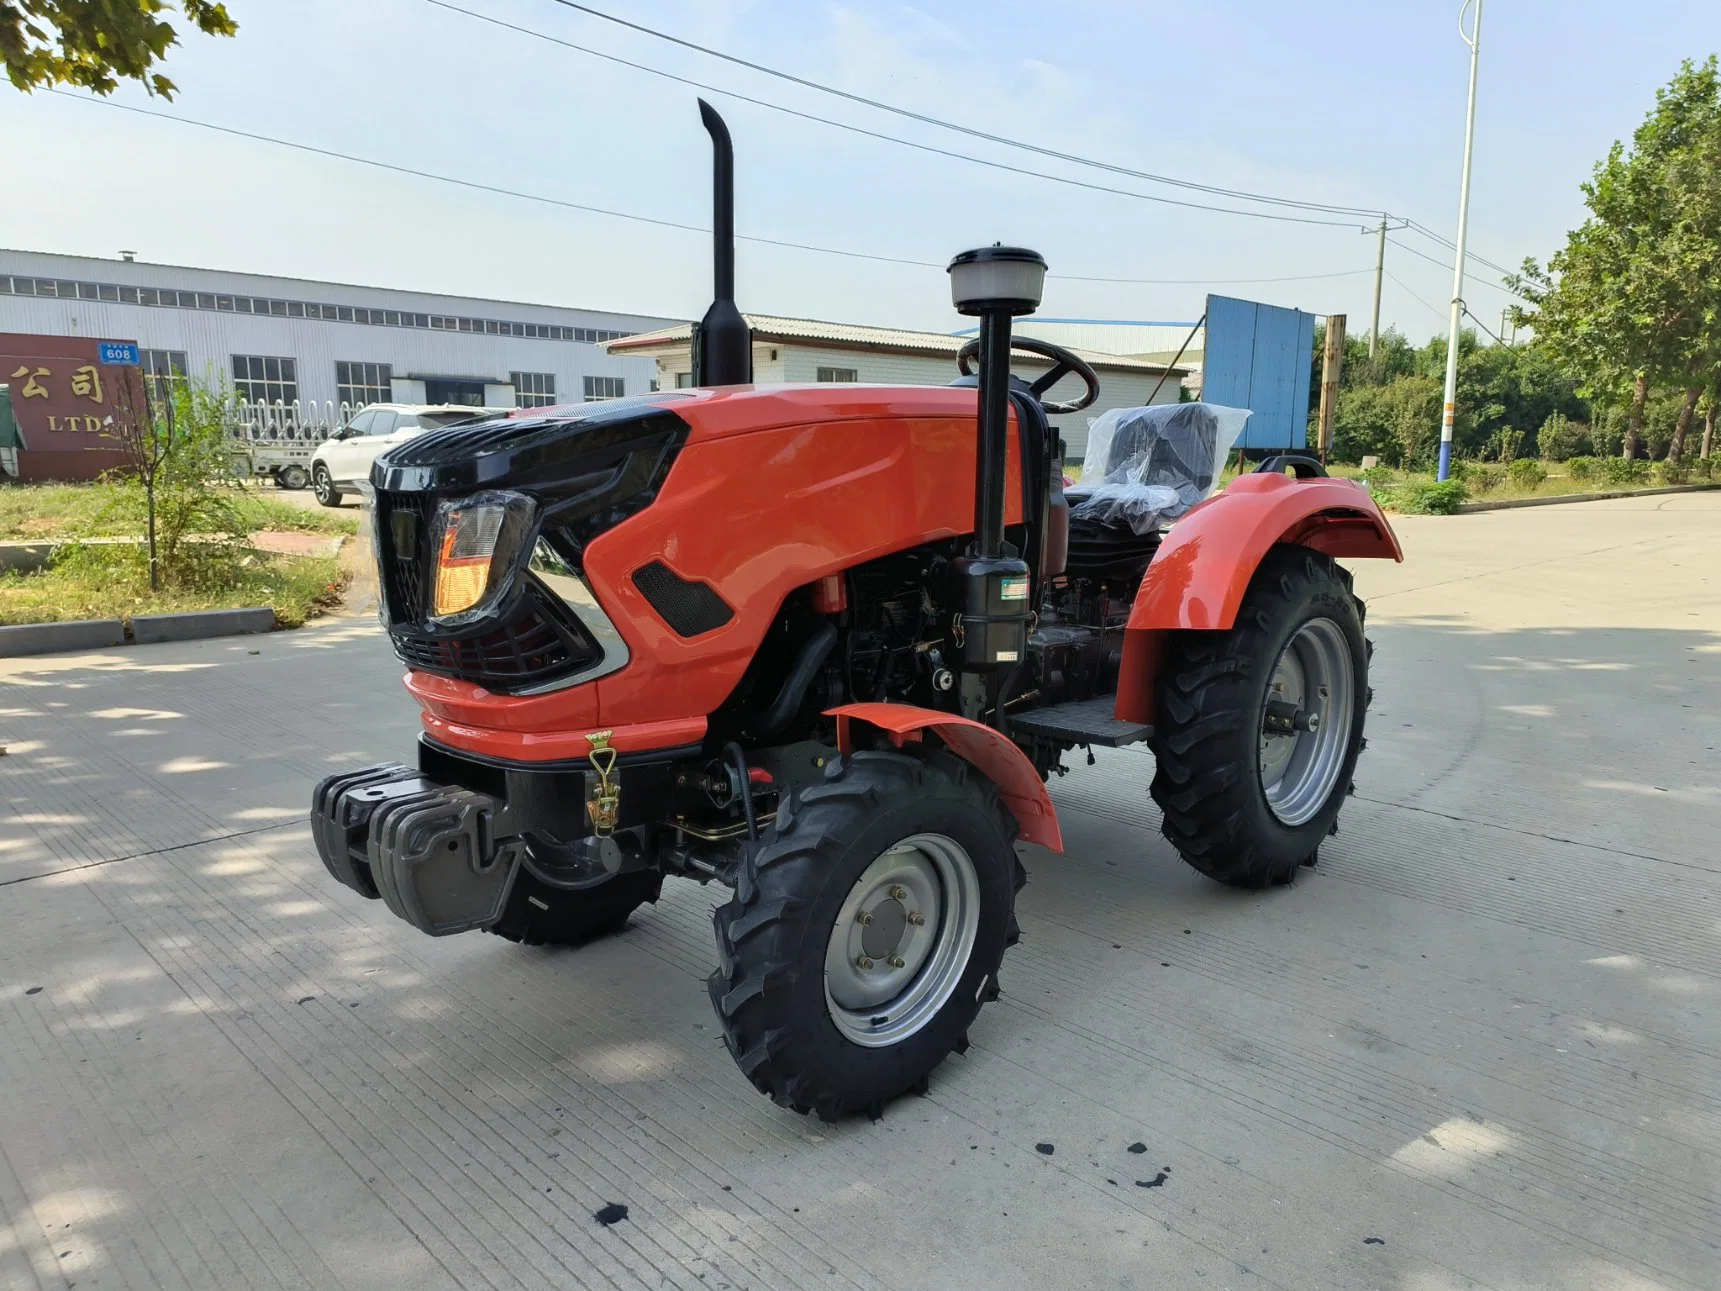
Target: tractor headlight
column 478, row 540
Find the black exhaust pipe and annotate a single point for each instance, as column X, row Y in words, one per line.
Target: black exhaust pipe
column 722, row 343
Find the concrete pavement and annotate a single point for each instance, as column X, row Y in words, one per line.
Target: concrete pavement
column 1476, row 1047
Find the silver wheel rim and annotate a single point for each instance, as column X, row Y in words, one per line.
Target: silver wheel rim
column 902, row 940
column 323, row 485
column 1299, row 769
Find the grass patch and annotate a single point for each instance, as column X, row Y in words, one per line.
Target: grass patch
column 34, row 511
column 116, row 585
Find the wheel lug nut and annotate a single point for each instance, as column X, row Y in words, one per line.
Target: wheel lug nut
column 898, row 892
column 863, row 962
column 916, row 918
column 863, row 919
column 895, row 961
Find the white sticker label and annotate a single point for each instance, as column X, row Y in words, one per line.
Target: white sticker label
column 1004, row 656
column 1013, row 589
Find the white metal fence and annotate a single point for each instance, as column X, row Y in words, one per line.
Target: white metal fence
column 299, row 422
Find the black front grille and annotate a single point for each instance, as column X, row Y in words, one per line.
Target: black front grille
column 404, row 524
column 536, row 641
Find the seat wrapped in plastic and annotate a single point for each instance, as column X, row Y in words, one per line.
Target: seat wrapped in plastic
column 1154, row 463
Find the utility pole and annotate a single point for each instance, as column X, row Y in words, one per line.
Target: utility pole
column 1332, row 365
column 1504, row 315
column 1379, row 271
column 1448, row 409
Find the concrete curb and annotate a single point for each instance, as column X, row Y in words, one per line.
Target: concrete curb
column 27, row 557
column 1468, row 508
column 146, row 629
column 152, row 629
column 58, row 638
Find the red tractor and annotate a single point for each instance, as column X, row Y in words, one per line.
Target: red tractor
column 824, row 646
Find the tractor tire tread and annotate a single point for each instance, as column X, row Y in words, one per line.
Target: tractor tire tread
column 762, row 930
column 1206, row 698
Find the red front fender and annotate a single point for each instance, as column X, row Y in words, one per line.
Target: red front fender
column 989, row 751
column 1204, row 566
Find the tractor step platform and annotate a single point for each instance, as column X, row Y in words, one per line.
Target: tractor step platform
column 1086, row 721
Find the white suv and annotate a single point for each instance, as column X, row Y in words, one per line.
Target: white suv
column 342, row 462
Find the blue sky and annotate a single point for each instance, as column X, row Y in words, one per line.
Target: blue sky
column 1346, row 102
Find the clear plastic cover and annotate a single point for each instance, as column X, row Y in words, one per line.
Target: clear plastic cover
column 1147, row 466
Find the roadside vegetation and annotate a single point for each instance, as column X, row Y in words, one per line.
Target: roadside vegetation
column 37, row 511
column 1620, row 383
column 164, row 535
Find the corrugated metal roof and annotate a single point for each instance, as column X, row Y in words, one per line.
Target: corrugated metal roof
column 767, row 328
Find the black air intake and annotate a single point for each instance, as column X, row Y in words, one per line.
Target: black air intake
column 689, row 608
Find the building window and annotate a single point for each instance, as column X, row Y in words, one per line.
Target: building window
column 258, row 379
column 162, row 371
column 838, row 374
column 363, row 383
column 683, row 380
column 533, row 389
column 605, row 388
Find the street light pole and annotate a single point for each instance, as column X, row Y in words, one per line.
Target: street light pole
column 1448, row 406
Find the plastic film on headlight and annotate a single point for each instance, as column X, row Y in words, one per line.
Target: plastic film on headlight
column 478, row 540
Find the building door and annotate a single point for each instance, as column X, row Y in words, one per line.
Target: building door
column 469, row 394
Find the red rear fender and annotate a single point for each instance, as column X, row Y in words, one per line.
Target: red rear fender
column 1204, row 566
column 1198, row 577
column 989, row 751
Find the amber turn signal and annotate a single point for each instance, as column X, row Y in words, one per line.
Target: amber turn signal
column 463, row 563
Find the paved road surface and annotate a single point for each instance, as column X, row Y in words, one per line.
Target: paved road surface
column 1477, row 1047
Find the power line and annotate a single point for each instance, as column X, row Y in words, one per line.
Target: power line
column 1243, row 194
column 641, row 219
column 1450, row 245
column 1215, row 282
column 1440, row 314
column 889, row 138
column 483, row 187
column 1483, row 282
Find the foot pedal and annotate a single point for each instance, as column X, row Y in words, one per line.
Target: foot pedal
column 1086, row 721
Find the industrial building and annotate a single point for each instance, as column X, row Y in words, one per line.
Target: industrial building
column 802, row 349
column 281, row 340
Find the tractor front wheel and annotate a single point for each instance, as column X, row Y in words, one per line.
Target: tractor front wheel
column 1260, row 726
column 866, row 931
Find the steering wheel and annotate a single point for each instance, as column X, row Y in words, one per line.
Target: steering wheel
column 1063, row 363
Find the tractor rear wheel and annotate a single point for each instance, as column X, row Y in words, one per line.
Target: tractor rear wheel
column 1260, row 726
column 866, row 931
column 542, row 914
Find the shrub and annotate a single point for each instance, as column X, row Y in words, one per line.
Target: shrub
column 1583, row 468
column 1482, row 479
column 1503, row 444
column 1526, row 473
column 1621, row 470
column 1702, row 468
column 1380, row 477
column 1560, row 438
column 1673, row 471
column 1429, row 497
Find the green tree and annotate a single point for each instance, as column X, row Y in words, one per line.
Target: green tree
column 1633, row 299
column 94, row 44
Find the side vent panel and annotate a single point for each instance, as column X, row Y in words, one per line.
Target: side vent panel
column 689, row 608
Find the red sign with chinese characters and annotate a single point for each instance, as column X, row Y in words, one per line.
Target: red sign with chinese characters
column 68, row 405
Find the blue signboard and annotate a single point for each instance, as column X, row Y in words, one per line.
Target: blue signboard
column 119, row 353
column 1259, row 357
